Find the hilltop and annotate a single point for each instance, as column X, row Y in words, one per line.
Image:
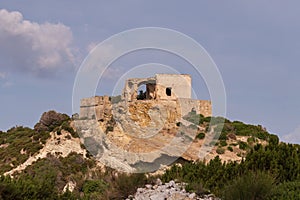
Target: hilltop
column 50, row 161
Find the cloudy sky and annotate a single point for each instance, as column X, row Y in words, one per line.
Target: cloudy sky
column 255, row 46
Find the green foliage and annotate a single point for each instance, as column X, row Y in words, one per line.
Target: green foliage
column 196, row 188
column 127, row 184
column 19, row 139
column 66, row 126
column 204, row 119
column 249, row 186
column 223, row 143
column 268, row 166
column 251, row 140
column 29, row 187
column 273, row 139
column 287, row 190
column 249, row 130
column 220, row 150
column 200, row 136
column 230, row 148
column 93, row 187
column 243, row 145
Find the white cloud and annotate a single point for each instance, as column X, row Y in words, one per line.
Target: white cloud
column 34, row 47
column 293, row 137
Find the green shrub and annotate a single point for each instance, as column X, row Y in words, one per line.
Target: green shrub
column 287, row 190
column 196, row 188
column 200, row 136
column 94, row 186
column 204, row 119
column 230, row 148
column 127, row 184
column 250, row 186
column 223, row 143
column 273, row 139
column 220, row 150
column 66, row 126
column 251, row 140
column 243, row 145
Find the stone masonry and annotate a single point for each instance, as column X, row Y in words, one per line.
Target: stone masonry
column 163, row 88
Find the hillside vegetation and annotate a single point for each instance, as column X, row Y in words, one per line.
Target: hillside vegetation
column 268, row 169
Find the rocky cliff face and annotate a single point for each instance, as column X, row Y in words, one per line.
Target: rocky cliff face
column 139, row 135
column 144, row 135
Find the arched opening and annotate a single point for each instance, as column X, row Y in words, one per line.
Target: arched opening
column 168, row 91
column 141, row 92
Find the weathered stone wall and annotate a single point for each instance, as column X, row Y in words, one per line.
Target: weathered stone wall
column 186, row 105
column 205, row 108
column 180, row 85
column 130, row 92
column 98, row 107
column 200, row 106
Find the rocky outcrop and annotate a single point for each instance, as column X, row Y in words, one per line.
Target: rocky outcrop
column 49, row 120
column 168, row 191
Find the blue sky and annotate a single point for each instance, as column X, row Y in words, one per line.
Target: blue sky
column 255, row 45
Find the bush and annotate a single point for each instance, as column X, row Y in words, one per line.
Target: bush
column 249, row 186
column 223, row 136
column 273, row 139
column 204, row 119
column 243, row 145
column 200, row 136
column 230, row 148
column 251, row 140
column 127, row 184
column 287, row 190
column 94, row 186
column 220, row 151
column 66, row 126
column 197, row 188
column 223, row 143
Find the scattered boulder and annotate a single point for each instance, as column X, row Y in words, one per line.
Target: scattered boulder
column 167, row 191
column 49, row 120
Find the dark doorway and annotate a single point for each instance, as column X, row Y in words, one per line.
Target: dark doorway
column 168, row 91
column 141, row 92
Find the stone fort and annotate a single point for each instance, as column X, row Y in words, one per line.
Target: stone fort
column 171, row 90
